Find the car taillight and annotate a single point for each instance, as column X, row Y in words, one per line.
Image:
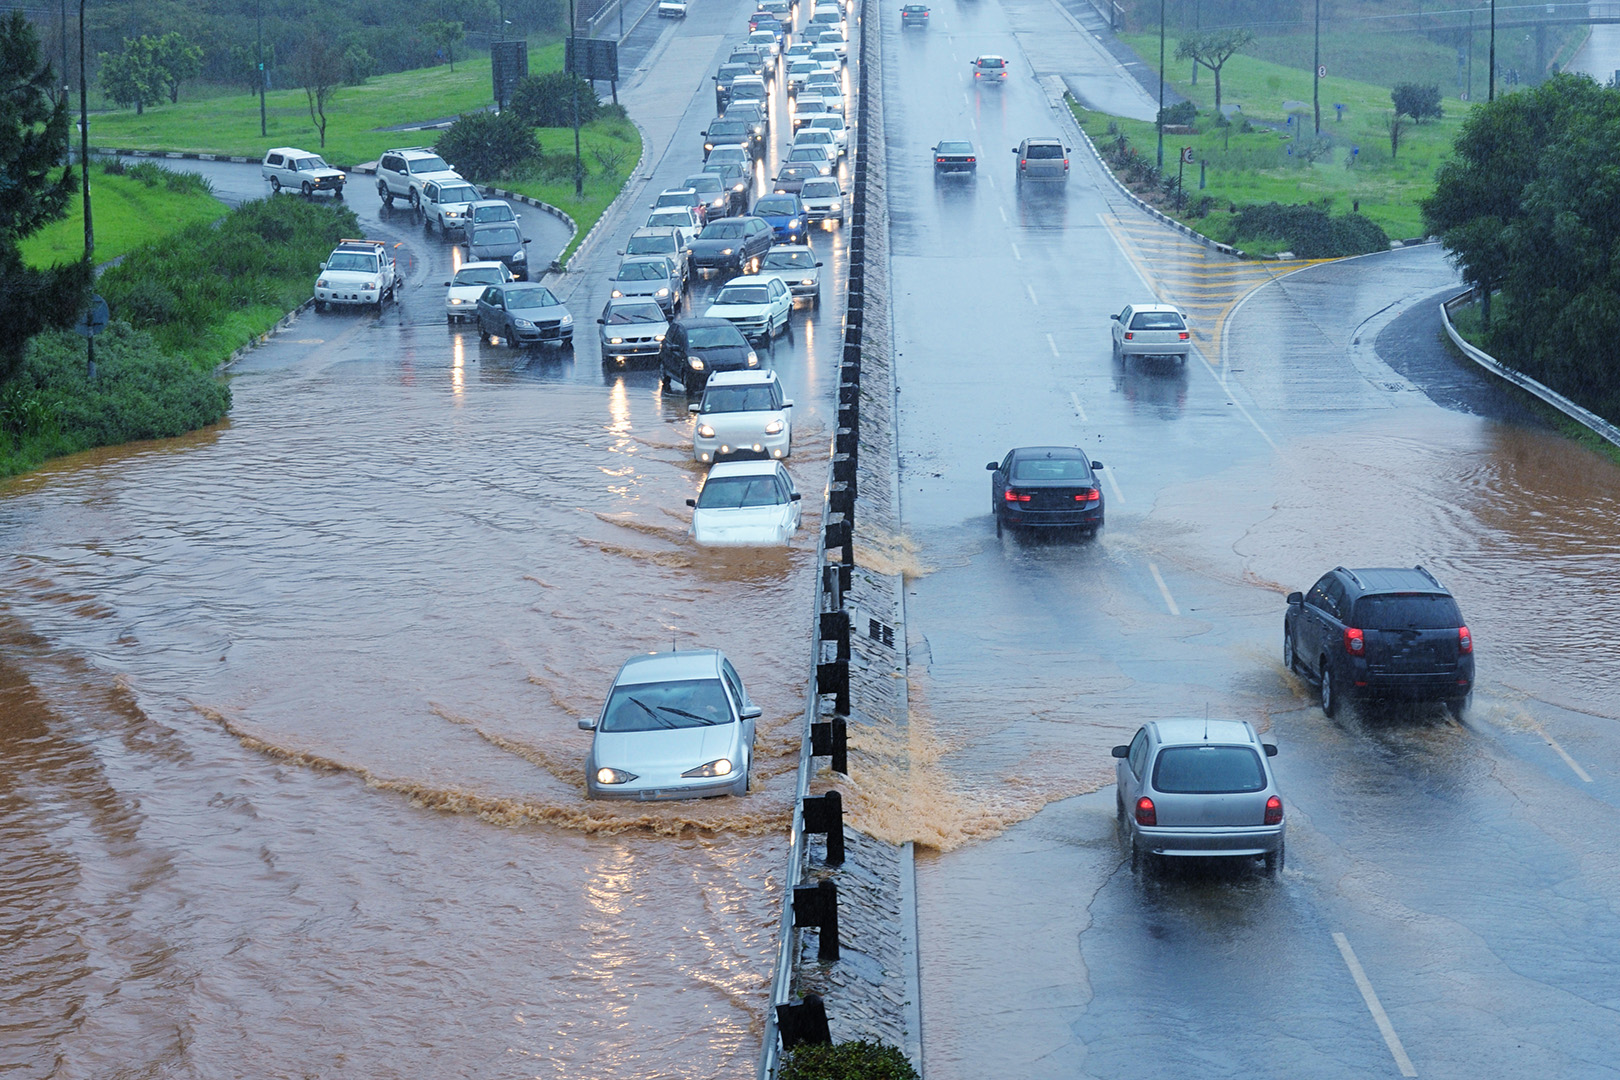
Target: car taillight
column 1274, row 811
column 939, row 161
column 1129, row 335
column 1088, row 495
column 971, row 160
column 1184, row 335
column 1022, row 162
column 1015, row 496
column 1145, row 814
column 1354, row 643
column 1465, row 640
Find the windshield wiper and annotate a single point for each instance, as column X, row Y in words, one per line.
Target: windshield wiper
column 704, row 720
column 650, row 711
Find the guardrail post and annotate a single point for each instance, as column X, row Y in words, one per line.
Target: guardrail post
column 833, row 678
column 826, row 815
column 817, row 905
column 804, row 1024
column 830, row 589
column 831, row 738
column 835, row 628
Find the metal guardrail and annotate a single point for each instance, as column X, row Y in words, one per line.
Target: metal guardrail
column 1552, row 397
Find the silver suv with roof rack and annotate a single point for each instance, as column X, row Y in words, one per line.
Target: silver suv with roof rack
column 402, row 172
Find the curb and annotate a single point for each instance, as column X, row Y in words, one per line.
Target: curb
column 281, row 324
column 1585, row 417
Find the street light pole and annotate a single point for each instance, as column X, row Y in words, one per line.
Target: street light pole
column 1490, row 94
column 1316, row 69
column 84, row 171
column 579, row 168
column 1158, row 121
column 258, row 19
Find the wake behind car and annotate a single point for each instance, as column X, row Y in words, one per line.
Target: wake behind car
column 731, row 244
column 357, row 273
column 1151, row 330
column 500, row 241
column 694, row 349
column 757, row 304
column 1046, row 487
column 461, row 299
column 301, row 171
column 1386, row 633
column 523, row 314
column 746, row 503
column 1199, row 788
column 676, row 725
column 742, row 414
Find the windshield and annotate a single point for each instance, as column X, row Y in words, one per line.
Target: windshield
column 619, row 314
column 1051, row 469
column 305, row 164
column 427, row 165
column 824, row 78
column 742, row 294
column 508, row 237
column 457, row 195
column 651, row 245
column 956, row 148
column 991, row 62
column 804, row 67
column 530, row 298
column 677, row 198
column 820, row 189
column 641, row 271
column 1408, row 611
column 790, row 260
column 722, row 230
column 723, row 399
column 668, row 219
column 814, row 137
column 735, row 129
column 703, row 183
column 1208, row 770
column 493, row 213
column 732, row 71
column 352, row 260
column 828, row 123
column 714, row 337
column 738, row 492
column 808, row 153
column 656, row 706
column 799, row 171
column 480, row 275
column 775, row 204
column 1154, row 320
column 1043, row 151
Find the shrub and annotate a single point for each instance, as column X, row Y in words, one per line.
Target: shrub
column 612, row 110
column 847, row 1061
column 548, row 100
column 1179, row 115
column 1309, row 232
column 487, row 147
column 1419, row 102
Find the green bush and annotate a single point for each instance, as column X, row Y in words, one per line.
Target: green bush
column 1308, row 231
column 1181, row 114
column 548, row 100
column 51, row 408
column 488, row 147
column 847, row 1061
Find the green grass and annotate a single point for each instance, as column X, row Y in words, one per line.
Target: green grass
column 602, row 143
column 230, row 125
column 1256, row 167
column 127, row 213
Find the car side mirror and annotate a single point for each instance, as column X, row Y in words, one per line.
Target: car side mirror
column 323, row 266
column 1270, row 748
column 528, row 241
column 796, row 496
column 1015, row 149
column 692, row 503
column 447, row 284
column 788, row 404
column 1096, row 464
column 993, row 466
column 1068, row 149
column 1114, row 317
column 588, row 724
column 1295, row 598
column 753, row 712
column 1121, row 751
column 694, row 407
column 601, row 322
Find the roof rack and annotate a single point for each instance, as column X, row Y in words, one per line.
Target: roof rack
column 1352, row 573
column 1419, row 568
column 409, row 149
column 364, row 243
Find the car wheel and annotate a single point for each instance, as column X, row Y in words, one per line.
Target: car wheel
column 1275, row 859
column 307, row 189
column 450, row 319
column 1290, row 661
column 387, row 196
column 275, row 185
column 997, row 515
column 511, row 337
column 320, row 307
column 663, row 379
column 416, row 200
column 427, row 225
column 1330, row 693
column 1119, row 354
column 815, row 298
column 338, row 194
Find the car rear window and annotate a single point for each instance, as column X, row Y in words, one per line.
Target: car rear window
column 1044, row 152
column 1408, row 611
column 1156, row 320
column 988, row 62
column 651, row 245
column 495, row 236
column 1208, row 770
column 1051, row 469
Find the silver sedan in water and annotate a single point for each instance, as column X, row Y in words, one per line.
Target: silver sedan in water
column 676, row 725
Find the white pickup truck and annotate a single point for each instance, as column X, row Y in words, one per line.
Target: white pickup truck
column 672, row 9
column 358, row 272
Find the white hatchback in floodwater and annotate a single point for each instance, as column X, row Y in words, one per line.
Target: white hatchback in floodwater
column 746, row 504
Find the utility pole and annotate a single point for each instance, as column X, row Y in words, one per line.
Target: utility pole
column 1316, row 69
column 1470, row 91
column 579, row 168
column 1158, row 121
column 258, row 19
column 1490, row 95
column 1198, row 27
column 84, row 171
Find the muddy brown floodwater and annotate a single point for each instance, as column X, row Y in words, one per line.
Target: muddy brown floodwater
column 290, row 777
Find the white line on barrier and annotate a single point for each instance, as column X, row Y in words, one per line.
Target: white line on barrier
column 1380, row 1017
column 1164, row 590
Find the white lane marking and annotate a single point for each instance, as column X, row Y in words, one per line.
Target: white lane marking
column 1051, row 343
column 1380, row 1017
column 967, row 100
column 1080, row 412
column 1017, row 256
column 1164, row 590
column 1003, row 210
column 1108, row 475
column 1580, row 772
column 1031, row 290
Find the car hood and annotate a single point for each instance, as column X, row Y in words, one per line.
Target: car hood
column 639, row 288
column 748, row 525
column 633, row 330
column 322, row 174
column 349, row 277
column 677, row 748
column 700, row 245
column 467, row 294
column 736, row 311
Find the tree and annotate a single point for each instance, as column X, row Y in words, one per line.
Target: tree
column 33, row 130
column 1395, row 124
column 176, row 60
column 1212, row 50
column 487, row 146
column 319, row 69
column 1419, row 102
column 131, row 77
column 445, row 33
column 548, row 100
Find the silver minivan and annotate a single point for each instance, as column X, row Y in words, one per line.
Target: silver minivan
column 1042, row 159
column 1199, row 788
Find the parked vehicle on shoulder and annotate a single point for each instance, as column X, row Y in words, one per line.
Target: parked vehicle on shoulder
column 757, row 304
column 447, row 204
column 1383, row 634
column 501, row 241
column 357, row 273
column 742, row 414
column 301, row 171
column 746, row 503
column 523, row 314
column 1042, row 159
column 797, row 265
column 1046, row 487
column 402, row 172
column 632, row 327
column 694, row 349
column 1199, row 789
column 1151, row 330
column 823, row 199
column 461, row 299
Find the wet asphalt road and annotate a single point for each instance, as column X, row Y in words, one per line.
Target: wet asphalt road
column 1469, row 868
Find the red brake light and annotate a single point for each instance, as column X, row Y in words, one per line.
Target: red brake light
column 1354, row 643
column 1129, row 335
column 1145, row 814
column 1184, row 335
column 1022, row 163
column 1015, row 496
column 1088, row 495
column 1273, row 811
column 1465, row 640
column 971, row 160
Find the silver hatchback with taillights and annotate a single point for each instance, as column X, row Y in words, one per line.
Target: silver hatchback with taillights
column 1151, row 330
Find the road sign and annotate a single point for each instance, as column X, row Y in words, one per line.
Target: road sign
column 94, row 319
column 1186, row 155
column 508, row 63
column 1321, row 72
column 592, row 58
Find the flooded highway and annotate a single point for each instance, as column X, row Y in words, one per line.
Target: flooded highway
column 290, row 778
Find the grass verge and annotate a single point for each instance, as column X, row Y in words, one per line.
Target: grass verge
column 609, row 149
column 132, row 206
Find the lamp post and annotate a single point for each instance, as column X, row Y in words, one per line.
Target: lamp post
column 1158, row 121
column 1316, row 69
column 579, row 168
column 258, row 19
column 84, row 171
column 1490, row 94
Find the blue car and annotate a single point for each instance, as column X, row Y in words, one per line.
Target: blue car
column 785, row 214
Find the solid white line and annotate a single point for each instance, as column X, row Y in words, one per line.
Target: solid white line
column 1017, row 256
column 1031, row 290
column 1380, row 1017
column 1108, row 475
column 1235, row 402
column 1580, row 772
column 1080, row 412
column 1164, row 590
column 1051, row 343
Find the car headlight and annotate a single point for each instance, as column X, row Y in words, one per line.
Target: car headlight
column 663, row 292
column 808, row 281
column 615, row 341
column 717, row 767
column 696, row 362
column 519, row 256
column 373, row 285
column 708, row 146
column 836, row 205
column 725, row 251
column 456, row 301
column 775, row 427
column 613, row 776
column 567, row 320
column 705, row 431
column 320, row 283
column 658, row 337
column 616, row 292
column 753, row 358
column 794, row 224
column 523, row 324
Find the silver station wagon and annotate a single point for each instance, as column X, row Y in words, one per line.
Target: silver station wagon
column 1199, row 788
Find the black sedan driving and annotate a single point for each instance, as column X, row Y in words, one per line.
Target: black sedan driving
column 1046, row 487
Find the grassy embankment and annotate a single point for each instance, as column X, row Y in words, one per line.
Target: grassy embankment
column 610, row 148
column 1256, row 166
column 137, row 207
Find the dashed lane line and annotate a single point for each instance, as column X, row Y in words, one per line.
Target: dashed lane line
column 1164, row 590
column 1051, row 343
column 1081, row 413
column 1380, row 1017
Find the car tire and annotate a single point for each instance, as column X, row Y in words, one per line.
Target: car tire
column 815, row 298
column 416, row 200
column 386, row 195
column 1329, row 696
column 1275, row 860
column 275, row 185
column 338, row 194
column 511, row 337
column 307, row 189
column 320, row 307
column 427, row 225
column 1290, row 661
column 663, row 379
column 997, row 515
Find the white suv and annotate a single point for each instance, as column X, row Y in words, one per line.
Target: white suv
column 402, row 172
column 445, row 203
column 300, row 170
column 742, row 414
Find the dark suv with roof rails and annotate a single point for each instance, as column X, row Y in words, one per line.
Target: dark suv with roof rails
column 1380, row 634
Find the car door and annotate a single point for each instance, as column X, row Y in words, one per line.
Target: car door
column 1120, row 324
column 781, row 302
column 1128, row 773
column 1314, row 619
column 998, row 482
column 739, row 695
column 672, row 357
